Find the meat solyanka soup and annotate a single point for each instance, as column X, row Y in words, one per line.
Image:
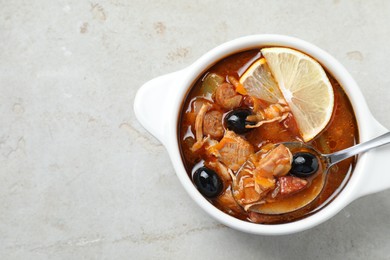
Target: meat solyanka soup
column 235, row 119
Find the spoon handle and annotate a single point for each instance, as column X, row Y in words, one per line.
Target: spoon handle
column 359, row 148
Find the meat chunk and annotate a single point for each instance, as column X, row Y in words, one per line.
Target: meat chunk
column 276, row 163
column 223, row 172
column 251, row 192
column 199, row 127
column 227, row 97
column 232, row 150
column 290, row 185
column 212, row 124
column 228, row 204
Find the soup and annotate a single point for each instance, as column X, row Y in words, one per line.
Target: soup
column 229, row 140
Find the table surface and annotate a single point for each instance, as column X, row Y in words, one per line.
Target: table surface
column 81, row 178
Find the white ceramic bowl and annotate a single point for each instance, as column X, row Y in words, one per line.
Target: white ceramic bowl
column 158, row 103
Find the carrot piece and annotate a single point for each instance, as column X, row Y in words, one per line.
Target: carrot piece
column 239, row 87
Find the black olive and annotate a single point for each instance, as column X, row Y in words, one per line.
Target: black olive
column 304, row 165
column 236, row 120
column 208, row 182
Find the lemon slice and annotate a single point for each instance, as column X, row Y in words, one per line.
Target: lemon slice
column 305, row 86
column 259, row 82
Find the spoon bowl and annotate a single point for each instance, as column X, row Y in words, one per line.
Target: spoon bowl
column 318, row 179
column 307, row 196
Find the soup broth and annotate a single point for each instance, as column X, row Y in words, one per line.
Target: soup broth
column 204, row 103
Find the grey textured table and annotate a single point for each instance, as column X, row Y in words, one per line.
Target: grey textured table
column 81, row 179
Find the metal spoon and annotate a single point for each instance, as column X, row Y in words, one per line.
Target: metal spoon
column 326, row 161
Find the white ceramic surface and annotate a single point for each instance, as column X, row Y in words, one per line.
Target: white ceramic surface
column 166, row 93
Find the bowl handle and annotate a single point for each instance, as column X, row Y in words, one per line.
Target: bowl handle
column 376, row 172
column 153, row 104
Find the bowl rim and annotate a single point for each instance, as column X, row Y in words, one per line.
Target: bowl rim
column 338, row 71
